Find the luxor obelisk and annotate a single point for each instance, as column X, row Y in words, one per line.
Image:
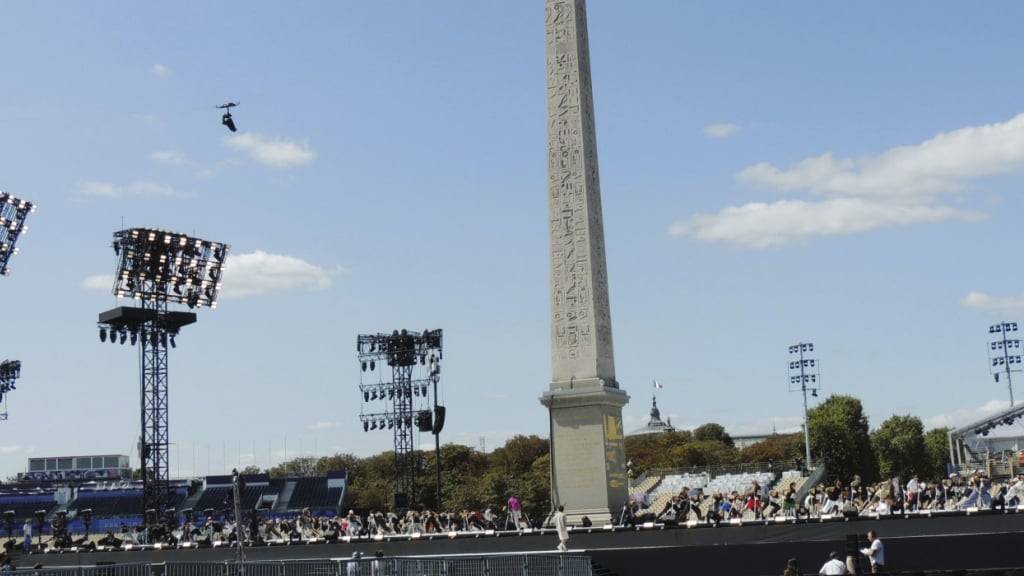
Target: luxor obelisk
column 588, row 472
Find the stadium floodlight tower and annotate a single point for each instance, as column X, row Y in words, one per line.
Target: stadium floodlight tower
column 13, row 212
column 10, row 370
column 1004, row 353
column 158, row 268
column 406, row 395
column 803, row 377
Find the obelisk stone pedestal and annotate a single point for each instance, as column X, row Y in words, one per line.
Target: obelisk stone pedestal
column 584, row 399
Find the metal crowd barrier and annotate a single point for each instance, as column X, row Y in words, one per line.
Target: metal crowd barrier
column 496, row 565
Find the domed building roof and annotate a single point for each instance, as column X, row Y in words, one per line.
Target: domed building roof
column 655, row 425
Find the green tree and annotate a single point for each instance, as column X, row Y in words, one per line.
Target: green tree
column 250, row 470
column 304, row 466
column 780, row 448
column 936, row 447
column 712, row 431
column 703, row 453
column 899, row 447
column 840, row 439
column 653, row 451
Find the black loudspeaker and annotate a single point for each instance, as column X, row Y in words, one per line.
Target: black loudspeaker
column 424, row 422
column 401, row 501
column 438, row 419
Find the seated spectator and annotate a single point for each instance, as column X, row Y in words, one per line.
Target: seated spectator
column 110, row 540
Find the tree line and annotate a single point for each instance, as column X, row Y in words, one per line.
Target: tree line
column 840, row 438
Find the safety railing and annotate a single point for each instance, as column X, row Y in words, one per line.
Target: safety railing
column 491, row 565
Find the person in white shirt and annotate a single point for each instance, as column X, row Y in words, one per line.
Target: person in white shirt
column 912, row 491
column 833, row 566
column 875, row 552
column 562, row 527
column 26, row 531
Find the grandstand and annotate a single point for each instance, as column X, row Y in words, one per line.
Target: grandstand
column 118, row 504
column 655, row 489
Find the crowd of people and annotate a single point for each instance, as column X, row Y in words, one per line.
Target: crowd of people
column 260, row 528
column 690, row 504
column 855, row 498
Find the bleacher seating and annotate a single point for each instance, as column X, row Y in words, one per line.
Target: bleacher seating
column 107, row 503
column 25, row 506
column 314, row 493
column 741, row 483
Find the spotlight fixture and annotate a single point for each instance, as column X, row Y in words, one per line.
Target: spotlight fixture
column 103, row 334
column 13, row 212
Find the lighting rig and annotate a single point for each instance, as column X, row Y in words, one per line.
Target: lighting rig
column 406, row 395
column 10, row 370
column 803, row 377
column 157, row 268
column 1004, row 353
column 13, row 212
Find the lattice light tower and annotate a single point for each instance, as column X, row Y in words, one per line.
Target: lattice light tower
column 10, row 370
column 1004, row 353
column 803, row 377
column 158, row 268
column 13, row 212
column 406, row 396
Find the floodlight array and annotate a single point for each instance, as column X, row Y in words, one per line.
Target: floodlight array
column 400, row 348
column 13, row 212
column 803, row 371
column 10, row 370
column 168, row 266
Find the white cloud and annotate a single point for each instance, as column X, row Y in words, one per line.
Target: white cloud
column 944, row 163
column 160, row 71
column 988, row 303
column 253, row 274
column 273, row 152
column 14, row 449
column 172, row 158
column 903, row 185
column 761, row 225
column 721, row 131
column 99, row 283
column 137, row 189
column 964, row 416
column 258, row 272
column 323, row 425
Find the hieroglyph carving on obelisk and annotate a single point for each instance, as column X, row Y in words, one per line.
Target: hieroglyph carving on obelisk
column 581, row 326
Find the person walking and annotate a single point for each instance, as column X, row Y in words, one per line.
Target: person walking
column 563, row 529
column 875, row 552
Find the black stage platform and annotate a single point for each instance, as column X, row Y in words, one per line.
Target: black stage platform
column 983, row 540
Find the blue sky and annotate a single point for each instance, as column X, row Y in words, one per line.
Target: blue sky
column 772, row 172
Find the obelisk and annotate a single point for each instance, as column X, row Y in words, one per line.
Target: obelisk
column 588, row 465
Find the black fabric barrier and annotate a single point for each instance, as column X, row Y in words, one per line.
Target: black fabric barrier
column 978, row 541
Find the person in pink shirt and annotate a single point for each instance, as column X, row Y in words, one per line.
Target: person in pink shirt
column 515, row 511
